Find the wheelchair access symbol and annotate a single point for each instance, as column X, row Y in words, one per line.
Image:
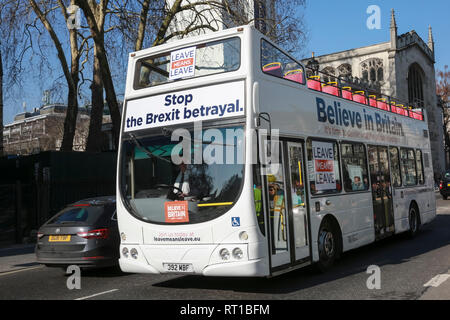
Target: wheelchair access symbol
column 235, row 221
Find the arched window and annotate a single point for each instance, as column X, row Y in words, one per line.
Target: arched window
column 373, row 74
column 345, row 70
column 380, row 74
column 415, row 84
column 365, row 75
column 372, row 69
column 329, row 73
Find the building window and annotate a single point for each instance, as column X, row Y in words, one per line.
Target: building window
column 329, row 74
column 415, row 85
column 345, row 70
column 372, row 69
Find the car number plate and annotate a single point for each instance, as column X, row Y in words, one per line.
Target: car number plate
column 178, row 267
column 59, row 238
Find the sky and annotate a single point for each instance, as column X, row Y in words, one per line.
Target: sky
column 335, row 26
column 332, row 26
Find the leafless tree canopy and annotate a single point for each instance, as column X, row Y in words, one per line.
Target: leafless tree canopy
column 88, row 64
column 443, row 92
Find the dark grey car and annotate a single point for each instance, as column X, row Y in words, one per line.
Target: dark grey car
column 84, row 233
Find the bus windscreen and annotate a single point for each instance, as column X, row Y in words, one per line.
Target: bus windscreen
column 158, row 190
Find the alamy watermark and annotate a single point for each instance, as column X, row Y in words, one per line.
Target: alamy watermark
column 374, row 280
column 225, row 146
column 374, row 20
column 74, row 17
column 74, row 280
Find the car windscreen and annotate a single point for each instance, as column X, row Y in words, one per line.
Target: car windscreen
column 81, row 214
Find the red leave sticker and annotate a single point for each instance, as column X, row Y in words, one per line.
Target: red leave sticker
column 176, row 211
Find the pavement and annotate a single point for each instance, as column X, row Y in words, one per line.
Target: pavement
column 17, row 257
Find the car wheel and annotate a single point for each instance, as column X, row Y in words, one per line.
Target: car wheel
column 328, row 245
column 414, row 220
column 444, row 197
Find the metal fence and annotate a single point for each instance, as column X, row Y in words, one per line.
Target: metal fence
column 34, row 188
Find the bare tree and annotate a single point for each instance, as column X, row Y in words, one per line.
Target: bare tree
column 1, row 102
column 443, row 92
column 94, row 140
column 156, row 22
column 71, row 73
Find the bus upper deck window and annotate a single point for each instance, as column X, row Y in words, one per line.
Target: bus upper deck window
column 210, row 58
column 295, row 75
column 278, row 64
column 273, row 68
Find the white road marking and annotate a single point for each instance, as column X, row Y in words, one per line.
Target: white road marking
column 437, row 280
column 19, row 270
column 97, row 294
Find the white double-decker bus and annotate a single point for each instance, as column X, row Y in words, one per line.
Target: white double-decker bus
column 235, row 160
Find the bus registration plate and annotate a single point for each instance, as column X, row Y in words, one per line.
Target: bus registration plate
column 178, row 267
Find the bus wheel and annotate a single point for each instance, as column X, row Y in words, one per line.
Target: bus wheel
column 328, row 245
column 414, row 220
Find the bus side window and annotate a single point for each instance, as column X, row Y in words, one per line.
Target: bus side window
column 354, row 166
column 323, row 167
column 409, row 174
column 419, row 166
column 395, row 167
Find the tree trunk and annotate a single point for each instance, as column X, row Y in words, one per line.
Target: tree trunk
column 95, row 124
column 70, row 75
column 142, row 24
column 98, row 36
column 70, row 122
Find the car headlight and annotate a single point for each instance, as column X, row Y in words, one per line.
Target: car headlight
column 125, row 252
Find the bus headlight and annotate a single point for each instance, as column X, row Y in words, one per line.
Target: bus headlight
column 125, row 252
column 243, row 236
column 224, row 254
column 134, row 253
column 237, row 253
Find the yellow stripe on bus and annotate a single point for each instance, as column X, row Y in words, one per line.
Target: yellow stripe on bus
column 214, row 204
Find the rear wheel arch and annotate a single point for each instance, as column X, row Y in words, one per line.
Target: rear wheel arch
column 329, row 240
column 414, row 219
column 416, row 206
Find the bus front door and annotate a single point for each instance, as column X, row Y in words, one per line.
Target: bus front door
column 287, row 208
column 380, row 177
column 297, row 199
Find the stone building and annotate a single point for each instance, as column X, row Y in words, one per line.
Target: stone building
column 402, row 67
column 42, row 130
